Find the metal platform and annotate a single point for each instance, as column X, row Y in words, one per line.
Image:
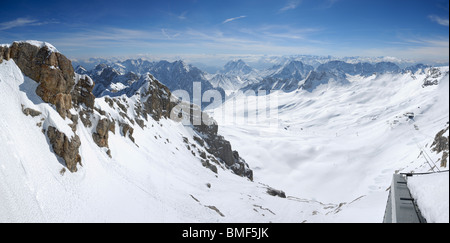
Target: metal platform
column 401, row 207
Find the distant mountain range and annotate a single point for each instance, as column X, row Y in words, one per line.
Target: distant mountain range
column 286, row 75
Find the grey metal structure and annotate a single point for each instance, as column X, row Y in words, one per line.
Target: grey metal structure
column 401, row 207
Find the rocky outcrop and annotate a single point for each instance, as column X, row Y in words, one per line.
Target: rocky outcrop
column 101, row 135
column 214, row 143
column 218, row 146
column 30, row 112
column 127, row 130
column 441, row 145
column 59, row 86
column 158, row 103
column 276, row 193
column 82, row 92
column 52, row 70
column 66, row 148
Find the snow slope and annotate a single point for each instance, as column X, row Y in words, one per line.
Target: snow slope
column 156, row 179
column 338, row 143
column 432, row 195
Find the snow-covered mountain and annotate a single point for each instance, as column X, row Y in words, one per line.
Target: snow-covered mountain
column 363, row 69
column 237, row 68
column 266, row 62
column 286, row 77
column 295, row 75
column 234, row 76
column 109, row 81
column 176, row 75
column 67, row 156
column 130, row 153
column 317, row 78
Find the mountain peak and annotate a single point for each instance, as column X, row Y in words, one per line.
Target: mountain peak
column 237, row 67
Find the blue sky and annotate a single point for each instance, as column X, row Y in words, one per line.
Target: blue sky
column 413, row 29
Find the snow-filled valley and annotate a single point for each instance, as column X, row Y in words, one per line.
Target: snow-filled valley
column 332, row 146
column 341, row 143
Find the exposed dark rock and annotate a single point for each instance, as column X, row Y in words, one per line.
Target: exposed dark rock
column 109, row 101
column 432, row 77
column 82, row 92
column 74, row 124
column 440, row 142
column 140, row 122
column 57, row 86
column 52, row 70
column 444, row 159
column 127, row 129
column 63, row 103
column 30, row 112
column 112, row 127
column 158, row 103
column 208, row 165
column 214, row 208
column 101, row 112
column 101, row 135
column 85, row 117
column 199, row 141
column 441, row 145
column 66, row 148
column 276, row 193
column 121, row 106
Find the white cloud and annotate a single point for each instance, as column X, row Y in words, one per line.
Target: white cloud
column 18, row 23
column 164, row 31
column 292, row 4
column 21, row 22
column 233, row 19
column 439, row 20
column 182, row 16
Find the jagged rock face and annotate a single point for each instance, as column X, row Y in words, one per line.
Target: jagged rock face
column 66, row 148
column 81, row 70
column 30, row 112
column 52, row 70
column 82, row 92
column 127, row 130
column 276, row 193
column 441, row 145
column 217, row 145
column 56, row 78
column 158, row 103
column 60, row 86
column 101, row 136
column 432, row 77
column 440, row 142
